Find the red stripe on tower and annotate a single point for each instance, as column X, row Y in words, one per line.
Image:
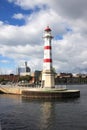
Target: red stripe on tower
column 48, row 60
column 47, row 47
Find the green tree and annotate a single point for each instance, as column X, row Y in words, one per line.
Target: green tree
column 25, row 78
column 1, row 79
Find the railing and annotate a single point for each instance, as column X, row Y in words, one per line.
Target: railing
column 60, row 86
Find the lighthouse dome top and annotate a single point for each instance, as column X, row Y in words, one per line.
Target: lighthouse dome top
column 47, row 29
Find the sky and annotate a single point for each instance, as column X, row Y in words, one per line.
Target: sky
column 22, row 24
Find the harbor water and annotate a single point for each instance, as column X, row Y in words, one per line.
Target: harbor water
column 17, row 113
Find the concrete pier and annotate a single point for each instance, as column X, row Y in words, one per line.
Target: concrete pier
column 11, row 89
column 40, row 93
column 51, row 94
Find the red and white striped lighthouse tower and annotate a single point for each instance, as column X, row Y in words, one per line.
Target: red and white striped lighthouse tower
column 47, row 74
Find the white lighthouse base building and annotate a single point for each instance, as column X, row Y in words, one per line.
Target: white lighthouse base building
column 48, row 79
column 47, row 73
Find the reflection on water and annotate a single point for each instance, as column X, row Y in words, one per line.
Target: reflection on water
column 46, row 110
column 0, row 126
column 17, row 113
column 51, row 112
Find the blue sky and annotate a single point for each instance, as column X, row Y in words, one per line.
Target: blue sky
column 22, row 24
column 8, row 10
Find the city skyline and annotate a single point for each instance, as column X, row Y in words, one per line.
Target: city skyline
column 22, row 24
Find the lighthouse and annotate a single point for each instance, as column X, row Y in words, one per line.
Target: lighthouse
column 47, row 73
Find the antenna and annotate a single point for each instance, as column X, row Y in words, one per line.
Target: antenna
column 25, row 63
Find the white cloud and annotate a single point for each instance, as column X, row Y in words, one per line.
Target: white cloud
column 4, row 61
column 32, row 31
column 6, row 71
column 18, row 16
column 28, row 4
column 67, row 8
column 70, row 53
column 25, row 42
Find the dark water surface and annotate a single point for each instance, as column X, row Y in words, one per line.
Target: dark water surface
column 21, row 114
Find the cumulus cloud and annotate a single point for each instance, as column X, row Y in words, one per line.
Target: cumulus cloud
column 71, row 53
column 73, row 9
column 73, row 12
column 6, row 71
column 32, row 31
column 26, row 4
column 66, row 18
column 18, row 16
column 4, row 61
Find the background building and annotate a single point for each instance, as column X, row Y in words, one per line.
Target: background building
column 24, row 70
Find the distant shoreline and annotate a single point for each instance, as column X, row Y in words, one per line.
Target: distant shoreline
column 71, row 80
